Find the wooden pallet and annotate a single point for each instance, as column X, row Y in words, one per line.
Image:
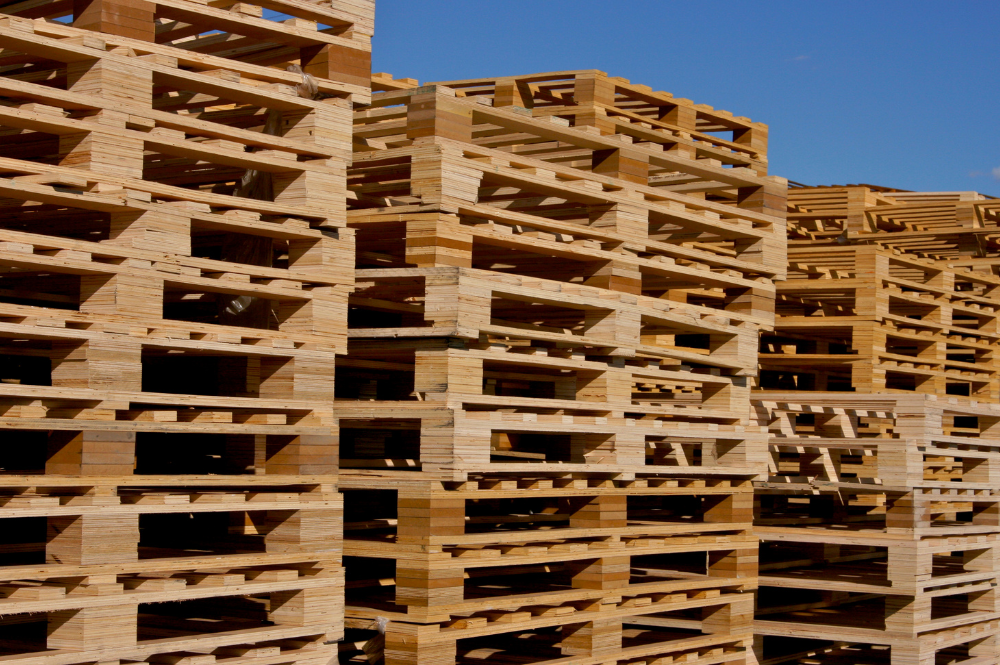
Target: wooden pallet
column 234, row 38
column 969, row 647
column 614, row 105
column 477, row 304
column 936, row 225
column 451, row 442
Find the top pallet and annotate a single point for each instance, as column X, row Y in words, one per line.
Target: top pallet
column 330, row 41
column 644, row 164
column 591, row 98
column 936, row 225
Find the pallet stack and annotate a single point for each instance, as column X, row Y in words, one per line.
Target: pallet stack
column 887, row 294
column 880, row 515
column 173, row 291
column 545, row 441
column 880, row 526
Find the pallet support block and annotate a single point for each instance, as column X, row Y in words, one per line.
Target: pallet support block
column 102, row 152
column 151, row 230
column 607, row 387
column 622, row 218
column 452, row 301
column 592, row 92
column 771, row 198
column 438, row 173
column 324, row 191
column 322, row 315
column 304, row 531
column 93, row 628
column 102, row 363
column 123, row 18
column 90, row 453
column 288, row 378
column 421, row 517
column 338, row 63
column 511, row 92
column 755, row 137
column 304, row 454
column 610, row 572
column 315, row 606
column 911, row 654
column 621, row 163
column 733, row 617
column 431, row 115
column 122, row 294
column 615, row 276
column 330, row 254
column 685, row 118
column 425, row 587
column 412, row 644
column 447, row 371
column 83, row 540
column 600, row 637
column 438, row 240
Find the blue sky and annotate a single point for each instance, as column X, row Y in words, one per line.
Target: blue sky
column 893, row 93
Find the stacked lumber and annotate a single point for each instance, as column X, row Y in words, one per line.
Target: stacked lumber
column 880, row 529
column 174, row 272
column 546, row 448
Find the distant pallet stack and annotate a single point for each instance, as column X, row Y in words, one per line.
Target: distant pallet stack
column 871, row 319
column 546, row 448
column 936, row 225
column 886, row 294
column 880, row 530
column 878, row 518
column 175, row 273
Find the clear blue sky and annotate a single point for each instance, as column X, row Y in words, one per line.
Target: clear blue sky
column 894, row 93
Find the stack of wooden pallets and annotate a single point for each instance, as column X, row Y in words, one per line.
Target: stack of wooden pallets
column 880, row 526
column 546, row 448
column 173, row 291
column 886, row 294
column 879, row 514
